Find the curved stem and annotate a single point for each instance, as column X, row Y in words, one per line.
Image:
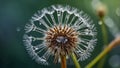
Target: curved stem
column 75, row 60
column 104, row 52
column 63, row 62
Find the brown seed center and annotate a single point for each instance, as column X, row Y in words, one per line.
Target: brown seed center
column 61, row 40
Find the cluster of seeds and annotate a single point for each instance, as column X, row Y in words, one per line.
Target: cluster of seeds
column 59, row 30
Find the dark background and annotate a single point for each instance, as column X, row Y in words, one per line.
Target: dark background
column 14, row 14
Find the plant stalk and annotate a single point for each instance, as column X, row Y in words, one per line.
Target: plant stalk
column 105, row 40
column 104, row 52
column 63, row 62
column 77, row 65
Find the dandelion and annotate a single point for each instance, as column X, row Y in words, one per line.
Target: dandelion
column 59, row 31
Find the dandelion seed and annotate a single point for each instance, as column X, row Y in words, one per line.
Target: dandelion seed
column 66, row 30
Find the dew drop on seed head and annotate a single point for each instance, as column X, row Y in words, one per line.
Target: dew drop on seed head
column 58, row 13
column 86, row 33
column 35, row 48
column 40, row 23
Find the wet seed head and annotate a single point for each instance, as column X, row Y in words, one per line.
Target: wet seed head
column 58, row 31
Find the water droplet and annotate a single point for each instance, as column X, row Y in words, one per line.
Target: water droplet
column 118, row 11
column 87, row 30
column 58, row 13
column 100, row 23
column 87, row 33
column 18, row 29
column 35, row 48
column 40, row 23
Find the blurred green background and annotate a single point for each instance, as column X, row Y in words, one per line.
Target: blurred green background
column 14, row 14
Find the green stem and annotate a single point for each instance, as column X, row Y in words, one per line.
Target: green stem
column 101, row 63
column 75, row 60
column 104, row 52
column 105, row 41
column 104, row 32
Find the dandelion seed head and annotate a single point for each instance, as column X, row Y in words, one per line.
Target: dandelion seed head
column 59, row 30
